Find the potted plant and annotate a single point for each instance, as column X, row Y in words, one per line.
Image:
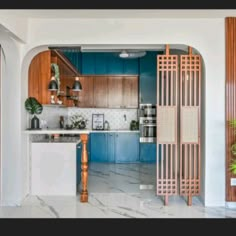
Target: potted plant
column 78, row 121
column 34, row 108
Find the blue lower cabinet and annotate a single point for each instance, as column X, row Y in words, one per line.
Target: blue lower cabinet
column 111, row 147
column 98, row 147
column 148, row 152
column 78, row 162
column 126, row 147
column 114, row 147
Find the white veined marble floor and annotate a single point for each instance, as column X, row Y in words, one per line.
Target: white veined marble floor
column 116, row 191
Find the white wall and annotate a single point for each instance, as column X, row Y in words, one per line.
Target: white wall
column 206, row 35
column 11, row 171
column 17, row 26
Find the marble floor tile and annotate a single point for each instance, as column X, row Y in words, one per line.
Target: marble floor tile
column 116, row 191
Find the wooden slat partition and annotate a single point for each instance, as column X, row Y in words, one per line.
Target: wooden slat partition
column 190, row 130
column 167, row 102
column 230, row 100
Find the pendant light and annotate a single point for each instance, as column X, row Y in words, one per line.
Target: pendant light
column 77, row 85
column 53, row 86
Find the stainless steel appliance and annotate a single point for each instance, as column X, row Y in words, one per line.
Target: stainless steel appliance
column 147, row 123
column 147, row 110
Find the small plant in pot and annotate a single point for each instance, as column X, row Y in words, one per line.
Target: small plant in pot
column 34, row 108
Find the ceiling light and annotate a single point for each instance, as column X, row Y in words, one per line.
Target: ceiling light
column 124, row 54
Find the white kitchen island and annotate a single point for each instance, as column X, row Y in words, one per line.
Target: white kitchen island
column 48, row 158
column 54, row 164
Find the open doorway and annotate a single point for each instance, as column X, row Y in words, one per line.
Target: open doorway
column 113, row 87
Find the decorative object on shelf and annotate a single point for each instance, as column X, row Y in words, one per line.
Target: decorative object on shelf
column 34, row 108
column 59, row 102
column 78, row 121
column 98, row 121
column 61, row 122
column 232, row 164
column 106, row 125
column 52, row 99
column 55, row 70
column 134, row 125
column 75, row 88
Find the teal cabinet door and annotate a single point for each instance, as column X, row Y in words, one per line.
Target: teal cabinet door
column 126, row 147
column 148, row 78
column 75, row 58
column 115, row 64
column 98, row 147
column 88, row 63
column 148, row 152
column 111, row 147
column 131, row 66
column 101, row 67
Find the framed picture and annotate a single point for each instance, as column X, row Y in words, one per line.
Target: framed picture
column 97, row 121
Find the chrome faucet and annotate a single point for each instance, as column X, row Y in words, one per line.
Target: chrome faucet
column 125, row 117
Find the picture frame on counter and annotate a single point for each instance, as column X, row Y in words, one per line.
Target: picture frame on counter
column 98, row 121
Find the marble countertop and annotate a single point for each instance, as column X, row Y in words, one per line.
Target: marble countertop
column 76, row 131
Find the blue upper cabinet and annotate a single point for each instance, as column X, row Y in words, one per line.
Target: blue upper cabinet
column 115, row 64
column 88, row 63
column 148, row 78
column 75, row 59
column 101, row 66
column 131, row 66
column 100, row 63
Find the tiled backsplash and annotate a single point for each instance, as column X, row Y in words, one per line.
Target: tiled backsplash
column 117, row 118
column 51, row 116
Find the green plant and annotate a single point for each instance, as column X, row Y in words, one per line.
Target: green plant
column 78, row 121
column 232, row 166
column 55, row 69
column 33, row 106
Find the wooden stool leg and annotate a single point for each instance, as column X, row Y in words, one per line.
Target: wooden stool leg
column 189, row 200
column 166, row 200
column 84, row 168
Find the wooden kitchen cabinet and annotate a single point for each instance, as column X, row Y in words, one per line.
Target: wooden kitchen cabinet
column 39, row 75
column 115, row 92
column 100, row 91
column 130, row 92
column 86, row 98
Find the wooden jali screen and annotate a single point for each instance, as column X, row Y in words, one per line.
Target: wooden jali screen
column 190, row 100
column 178, row 125
column 167, row 105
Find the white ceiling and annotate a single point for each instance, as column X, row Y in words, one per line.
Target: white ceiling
column 190, row 13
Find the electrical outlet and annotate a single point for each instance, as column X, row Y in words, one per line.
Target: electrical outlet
column 233, row 181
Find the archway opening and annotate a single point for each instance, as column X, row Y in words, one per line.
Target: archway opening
column 50, row 115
